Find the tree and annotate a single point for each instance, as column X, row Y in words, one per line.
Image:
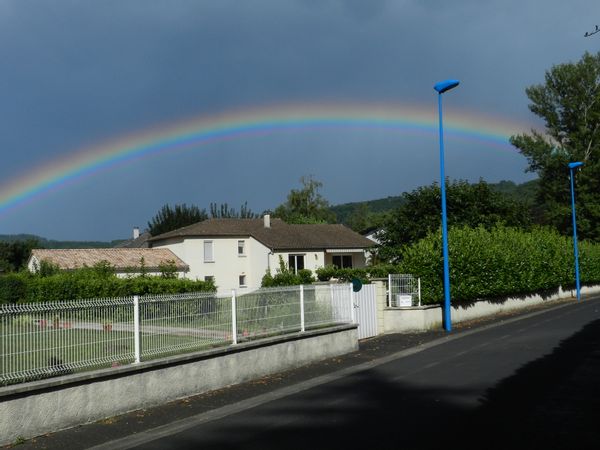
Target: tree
column 305, row 205
column 472, row 205
column 223, row 211
column 362, row 218
column 569, row 104
column 14, row 255
column 168, row 219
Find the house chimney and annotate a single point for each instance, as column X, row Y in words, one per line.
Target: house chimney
column 267, row 220
column 136, row 232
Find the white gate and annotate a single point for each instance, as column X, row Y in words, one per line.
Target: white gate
column 365, row 307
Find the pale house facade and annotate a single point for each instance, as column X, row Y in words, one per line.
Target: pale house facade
column 236, row 253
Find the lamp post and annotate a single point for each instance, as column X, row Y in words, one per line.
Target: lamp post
column 572, row 167
column 442, row 87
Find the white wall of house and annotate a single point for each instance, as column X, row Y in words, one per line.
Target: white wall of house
column 33, row 265
column 358, row 258
column 312, row 259
column 227, row 266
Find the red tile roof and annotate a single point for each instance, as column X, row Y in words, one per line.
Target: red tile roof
column 120, row 258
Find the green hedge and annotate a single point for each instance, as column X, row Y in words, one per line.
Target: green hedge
column 287, row 278
column 365, row 274
column 26, row 287
column 498, row 262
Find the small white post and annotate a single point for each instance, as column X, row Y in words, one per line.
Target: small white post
column 352, row 307
column 389, row 291
column 302, row 326
column 419, row 288
column 233, row 318
column 136, row 328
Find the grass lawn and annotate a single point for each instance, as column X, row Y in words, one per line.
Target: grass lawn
column 29, row 353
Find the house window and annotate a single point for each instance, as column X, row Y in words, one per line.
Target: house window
column 342, row 261
column 296, row 263
column 208, row 251
column 242, row 279
column 209, row 278
column 241, row 248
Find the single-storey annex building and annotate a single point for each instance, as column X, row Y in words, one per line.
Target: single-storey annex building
column 126, row 261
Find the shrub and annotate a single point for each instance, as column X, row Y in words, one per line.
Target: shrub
column 93, row 282
column 286, row 277
column 498, row 262
column 13, row 287
column 364, row 274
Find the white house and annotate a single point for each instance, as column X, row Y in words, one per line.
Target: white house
column 236, row 253
column 373, row 234
column 126, row 261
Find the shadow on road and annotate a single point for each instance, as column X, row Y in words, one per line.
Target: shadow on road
column 549, row 403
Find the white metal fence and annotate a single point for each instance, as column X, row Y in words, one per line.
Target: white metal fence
column 48, row 339
column 403, row 291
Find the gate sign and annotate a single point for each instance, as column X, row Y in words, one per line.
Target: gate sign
column 356, row 285
column 403, row 300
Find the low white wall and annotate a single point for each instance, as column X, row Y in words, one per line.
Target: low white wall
column 399, row 320
column 31, row 409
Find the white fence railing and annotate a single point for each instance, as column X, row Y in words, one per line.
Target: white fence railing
column 48, row 339
column 403, row 291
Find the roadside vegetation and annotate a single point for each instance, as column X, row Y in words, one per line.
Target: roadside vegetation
column 100, row 281
column 499, row 262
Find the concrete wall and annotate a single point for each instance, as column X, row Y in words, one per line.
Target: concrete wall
column 399, row 320
column 32, row 409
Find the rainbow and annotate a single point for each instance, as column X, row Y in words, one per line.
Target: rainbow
column 199, row 131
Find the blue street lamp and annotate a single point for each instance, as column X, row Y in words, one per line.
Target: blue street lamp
column 572, row 167
column 442, row 87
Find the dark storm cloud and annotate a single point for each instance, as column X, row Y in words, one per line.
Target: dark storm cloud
column 76, row 73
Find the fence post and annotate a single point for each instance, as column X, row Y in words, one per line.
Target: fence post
column 136, row 328
column 419, row 288
column 352, row 308
column 233, row 318
column 389, row 291
column 302, row 326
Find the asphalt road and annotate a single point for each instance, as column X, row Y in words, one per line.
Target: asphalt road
column 531, row 381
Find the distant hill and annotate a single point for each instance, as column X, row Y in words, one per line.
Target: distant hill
column 49, row 243
column 524, row 192
column 344, row 211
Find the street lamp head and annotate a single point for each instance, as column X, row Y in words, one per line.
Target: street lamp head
column 574, row 165
column 445, row 85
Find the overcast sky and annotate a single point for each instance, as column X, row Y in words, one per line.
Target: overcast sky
column 77, row 73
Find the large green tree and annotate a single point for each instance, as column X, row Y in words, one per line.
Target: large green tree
column 569, row 104
column 305, row 205
column 170, row 218
column 14, row 255
column 468, row 204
